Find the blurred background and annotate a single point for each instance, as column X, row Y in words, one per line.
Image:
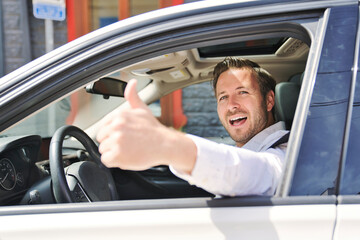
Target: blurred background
column 24, row 37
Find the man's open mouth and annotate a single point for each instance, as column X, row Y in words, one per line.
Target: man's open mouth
column 237, row 121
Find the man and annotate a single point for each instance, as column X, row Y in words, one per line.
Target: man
column 133, row 138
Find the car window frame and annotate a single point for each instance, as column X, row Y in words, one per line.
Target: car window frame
column 309, row 80
column 302, row 108
column 349, row 198
column 66, row 83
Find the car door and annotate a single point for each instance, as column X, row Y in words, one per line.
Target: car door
column 326, row 163
column 300, row 210
column 348, row 208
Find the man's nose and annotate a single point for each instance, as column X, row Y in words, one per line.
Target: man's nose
column 233, row 103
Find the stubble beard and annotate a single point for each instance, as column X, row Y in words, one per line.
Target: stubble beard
column 260, row 123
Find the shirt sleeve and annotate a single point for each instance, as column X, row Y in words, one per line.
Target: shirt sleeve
column 231, row 171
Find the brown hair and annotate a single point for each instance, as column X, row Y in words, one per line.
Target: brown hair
column 265, row 80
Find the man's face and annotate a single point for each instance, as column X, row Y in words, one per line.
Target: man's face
column 241, row 107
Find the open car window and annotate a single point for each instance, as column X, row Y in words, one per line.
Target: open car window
column 282, row 48
column 81, row 109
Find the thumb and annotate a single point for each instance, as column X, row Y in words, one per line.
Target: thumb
column 132, row 97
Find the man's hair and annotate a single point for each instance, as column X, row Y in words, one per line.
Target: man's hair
column 265, row 80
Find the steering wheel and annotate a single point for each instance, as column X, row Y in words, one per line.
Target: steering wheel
column 85, row 181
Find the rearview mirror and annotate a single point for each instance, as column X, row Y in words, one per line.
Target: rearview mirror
column 107, row 87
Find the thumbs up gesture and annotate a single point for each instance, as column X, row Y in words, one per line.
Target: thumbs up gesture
column 133, row 98
column 133, row 139
column 126, row 132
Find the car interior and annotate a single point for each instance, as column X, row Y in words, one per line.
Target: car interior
column 28, row 166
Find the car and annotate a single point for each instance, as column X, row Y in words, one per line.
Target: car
column 52, row 107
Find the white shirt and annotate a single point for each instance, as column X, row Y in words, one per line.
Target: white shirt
column 254, row 169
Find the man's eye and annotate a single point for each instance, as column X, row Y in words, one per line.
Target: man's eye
column 243, row 92
column 222, row 98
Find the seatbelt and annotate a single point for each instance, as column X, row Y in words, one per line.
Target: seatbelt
column 283, row 139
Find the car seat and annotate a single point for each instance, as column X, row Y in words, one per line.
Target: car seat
column 286, row 97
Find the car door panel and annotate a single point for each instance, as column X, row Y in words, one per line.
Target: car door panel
column 348, row 218
column 320, row 151
column 174, row 219
column 348, row 208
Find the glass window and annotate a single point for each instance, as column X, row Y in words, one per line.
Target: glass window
column 321, row 147
column 252, row 47
column 81, row 109
column 350, row 183
column 65, row 112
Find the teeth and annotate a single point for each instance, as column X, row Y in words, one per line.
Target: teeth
column 237, row 119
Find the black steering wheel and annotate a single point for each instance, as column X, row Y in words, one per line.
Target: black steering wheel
column 85, row 181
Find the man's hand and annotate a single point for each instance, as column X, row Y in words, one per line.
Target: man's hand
column 132, row 138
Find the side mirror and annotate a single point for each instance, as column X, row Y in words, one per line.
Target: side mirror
column 107, row 87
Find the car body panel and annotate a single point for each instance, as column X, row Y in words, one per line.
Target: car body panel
column 174, row 218
column 348, row 218
column 122, row 44
column 347, row 223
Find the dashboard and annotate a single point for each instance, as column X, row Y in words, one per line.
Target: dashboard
column 18, row 170
column 25, row 175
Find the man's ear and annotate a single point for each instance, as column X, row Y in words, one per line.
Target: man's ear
column 270, row 100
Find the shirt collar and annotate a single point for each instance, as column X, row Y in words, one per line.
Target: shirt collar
column 264, row 139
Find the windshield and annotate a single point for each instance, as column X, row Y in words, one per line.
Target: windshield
column 81, row 109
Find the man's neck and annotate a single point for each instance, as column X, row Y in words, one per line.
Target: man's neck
column 256, row 143
column 270, row 121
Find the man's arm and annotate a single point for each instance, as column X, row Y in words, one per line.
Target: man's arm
column 232, row 171
column 133, row 139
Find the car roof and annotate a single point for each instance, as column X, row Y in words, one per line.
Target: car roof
column 154, row 17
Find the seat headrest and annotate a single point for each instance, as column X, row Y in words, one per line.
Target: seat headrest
column 286, row 97
column 297, row 78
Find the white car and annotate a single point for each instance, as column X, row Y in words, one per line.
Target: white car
column 310, row 47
